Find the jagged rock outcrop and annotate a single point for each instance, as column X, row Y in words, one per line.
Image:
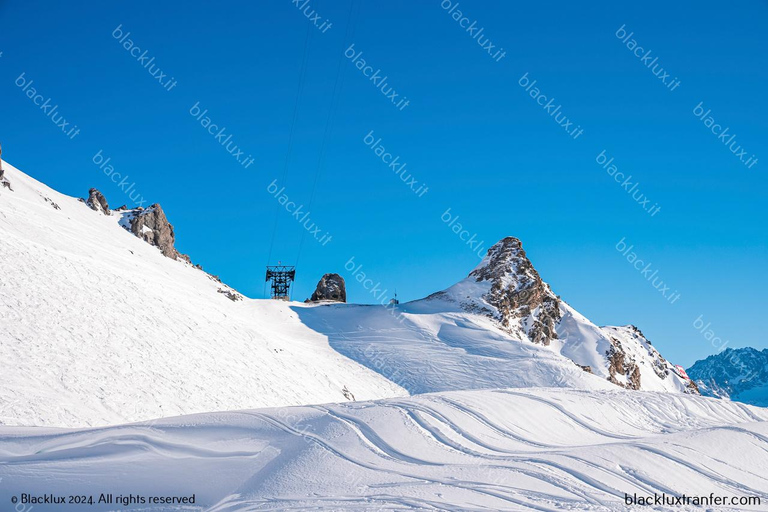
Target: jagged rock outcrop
column 348, row 394
column 507, row 288
column 4, row 181
column 152, row 226
column 622, row 368
column 518, row 292
column 97, row 202
column 230, row 293
column 330, row 287
column 629, row 349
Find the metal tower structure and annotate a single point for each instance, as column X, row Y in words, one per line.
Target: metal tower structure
column 281, row 276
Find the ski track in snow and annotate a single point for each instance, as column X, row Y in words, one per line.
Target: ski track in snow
column 521, row 449
column 487, row 430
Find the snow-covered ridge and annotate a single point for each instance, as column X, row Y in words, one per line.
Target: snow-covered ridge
column 506, row 287
column 100, row 327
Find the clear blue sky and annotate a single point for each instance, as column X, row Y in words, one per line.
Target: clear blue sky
column 470, row 132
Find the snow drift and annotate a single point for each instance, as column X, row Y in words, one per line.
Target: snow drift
column 525, row 449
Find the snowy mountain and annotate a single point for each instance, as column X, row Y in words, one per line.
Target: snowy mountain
column 97, row 326
column 520, row 402
column 736, row 374
column 105, row 322
column 507, row 288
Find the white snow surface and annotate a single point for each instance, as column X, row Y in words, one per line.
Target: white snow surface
column 508, row 449
column 97, row 327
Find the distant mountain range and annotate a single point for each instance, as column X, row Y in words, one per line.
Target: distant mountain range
column 736, row 374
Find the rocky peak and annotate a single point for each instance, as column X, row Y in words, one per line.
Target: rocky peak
column 3, row 181
column 97, row 202
column 152, row 226
column 330, row 287
column 522, row 299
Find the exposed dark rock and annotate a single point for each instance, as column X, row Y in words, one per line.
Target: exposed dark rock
column 620, row 364
column 348, row 394
column 3, row 179
column 54, row 205
column 97, row 202
column 660, row 365
column 330, row 287
column 121, row 208
column 230, row 294
column 586, row 368
column 518, row 292
column 152, row 226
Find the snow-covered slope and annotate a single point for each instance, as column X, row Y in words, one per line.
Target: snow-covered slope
column 98, row 327
column 736, row 374
column 524, row 449
column 434, row 345
column 506, row 287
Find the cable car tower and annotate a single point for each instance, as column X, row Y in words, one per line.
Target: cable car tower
column 281, row 276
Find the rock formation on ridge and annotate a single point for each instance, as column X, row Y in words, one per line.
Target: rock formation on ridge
column 330, row 287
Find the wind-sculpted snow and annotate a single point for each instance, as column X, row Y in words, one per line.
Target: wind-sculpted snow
column 505, row 449
column 426, row 347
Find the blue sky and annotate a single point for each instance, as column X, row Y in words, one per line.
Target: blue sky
column 470, row 132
